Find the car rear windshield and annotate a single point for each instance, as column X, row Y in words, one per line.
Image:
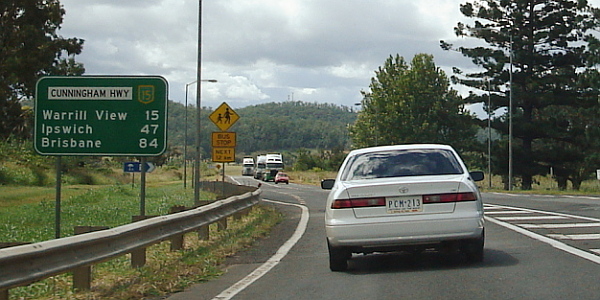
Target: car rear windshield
column 399, row 163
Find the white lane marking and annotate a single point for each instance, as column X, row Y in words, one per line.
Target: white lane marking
column 548, row 213
column 531, row 218
column 506, row 194
column 560, row 225
column 300, row 200
column 507, row 212
column 576, row 237
column 554, row 243
column 595, row 250
column 547, row 196
column 273, row 261
column 582, row 197
column 491, row 206
column 235, row 180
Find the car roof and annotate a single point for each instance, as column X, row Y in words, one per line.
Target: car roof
column 399, row 147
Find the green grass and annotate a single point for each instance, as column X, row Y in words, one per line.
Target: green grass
column 28, row 215
column 33, row 219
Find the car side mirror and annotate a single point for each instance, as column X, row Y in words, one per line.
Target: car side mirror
column 477, row 175
column 327, row 184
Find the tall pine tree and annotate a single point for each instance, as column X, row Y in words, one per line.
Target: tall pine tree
column 548, row 43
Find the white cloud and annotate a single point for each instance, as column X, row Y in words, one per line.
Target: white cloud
column 351, row 70
column 261, row 50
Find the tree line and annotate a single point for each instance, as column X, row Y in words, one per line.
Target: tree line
column 270, row 127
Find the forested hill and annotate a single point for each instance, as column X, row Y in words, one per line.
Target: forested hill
column 271, row 127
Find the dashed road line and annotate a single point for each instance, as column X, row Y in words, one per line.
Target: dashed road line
column 531, row 218
column 576, row 237
column 507, row 212
column 559, row 225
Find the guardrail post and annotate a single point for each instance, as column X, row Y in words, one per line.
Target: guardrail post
column 222, row 224
column 177, row 240
column 82, row 276
column 138, row 256
column 241, row 214
column 204, row 231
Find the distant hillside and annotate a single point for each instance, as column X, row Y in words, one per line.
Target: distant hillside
column 284, row 126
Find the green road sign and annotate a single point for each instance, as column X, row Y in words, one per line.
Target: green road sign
column 100, row 115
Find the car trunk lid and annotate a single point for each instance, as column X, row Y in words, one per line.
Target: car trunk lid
column 403, row 193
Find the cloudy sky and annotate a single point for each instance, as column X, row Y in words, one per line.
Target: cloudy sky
column 261, row 51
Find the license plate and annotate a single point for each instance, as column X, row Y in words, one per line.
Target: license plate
column 396, row 205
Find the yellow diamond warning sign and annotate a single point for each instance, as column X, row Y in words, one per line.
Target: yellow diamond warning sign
column 224, row 116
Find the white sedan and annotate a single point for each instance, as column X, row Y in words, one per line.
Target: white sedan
column 403, row 197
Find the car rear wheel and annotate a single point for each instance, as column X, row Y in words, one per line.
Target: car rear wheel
column 474, row 249
column 338, row 258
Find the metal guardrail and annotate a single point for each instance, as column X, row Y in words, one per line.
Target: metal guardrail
column 22, row 265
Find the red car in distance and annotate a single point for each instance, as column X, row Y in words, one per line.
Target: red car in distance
column 282, row 177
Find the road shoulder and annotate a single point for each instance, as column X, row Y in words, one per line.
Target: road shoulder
column 244, row 262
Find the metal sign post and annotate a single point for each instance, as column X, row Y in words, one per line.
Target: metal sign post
column 57, row 206
column 143, row 188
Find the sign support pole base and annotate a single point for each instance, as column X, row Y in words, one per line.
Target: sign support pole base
column 143, row 188
column 57, row 206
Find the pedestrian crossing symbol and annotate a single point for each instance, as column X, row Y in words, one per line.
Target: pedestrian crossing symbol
column 224, row 116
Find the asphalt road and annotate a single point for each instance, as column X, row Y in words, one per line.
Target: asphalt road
column 537, row 247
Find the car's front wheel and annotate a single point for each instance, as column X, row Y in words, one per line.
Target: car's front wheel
column 338, row 258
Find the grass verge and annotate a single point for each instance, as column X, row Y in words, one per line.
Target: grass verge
column 166, row 271
column 27, row 215
column 31, row 221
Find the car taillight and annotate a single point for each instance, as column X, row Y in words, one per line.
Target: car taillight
column 454, row 197
column 433, row 198
column 361, row 202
